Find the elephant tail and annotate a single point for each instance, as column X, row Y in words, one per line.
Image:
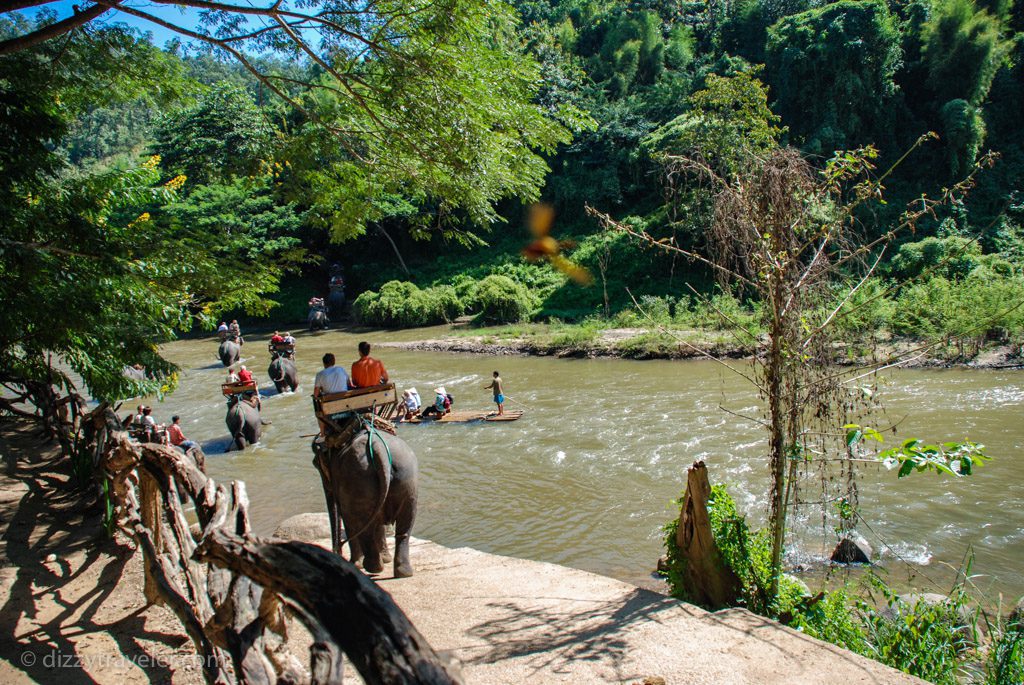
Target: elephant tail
column 383, row 469
column 276, row 370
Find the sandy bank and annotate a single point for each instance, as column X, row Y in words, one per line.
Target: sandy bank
column 73, row 611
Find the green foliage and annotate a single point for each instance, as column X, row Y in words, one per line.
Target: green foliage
column 747, row 554
column 499, row 299
column 983, row 305
column 722, row 311
column 924, row 639
column 728, row 121
column 832, row 619
column 404, row 304
column 952, row 257
column 244, row 218
column 865, row 310
column 963, row 129
column 1004, row 661
column 962, row 50
column 222, row 135
column 949, row 458
column 832, row 73
column 447, row 121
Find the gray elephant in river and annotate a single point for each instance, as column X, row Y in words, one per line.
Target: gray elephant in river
column 317, row 318
column 336, row 302
column 229, row 352
column 284, row 374
column 244, row 423
column 370, row 480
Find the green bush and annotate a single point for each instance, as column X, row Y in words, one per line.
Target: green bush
column 655, row 310
column 951, row 258
column 983, row 305
column 400, row 303
column 499, row 299
column 1004, row 662
column 866, row 310
column 722, row 312
column 924, row 639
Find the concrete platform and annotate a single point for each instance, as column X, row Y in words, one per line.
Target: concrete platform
column 511, row 620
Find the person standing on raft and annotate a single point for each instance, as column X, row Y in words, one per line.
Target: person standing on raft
column 499, row 398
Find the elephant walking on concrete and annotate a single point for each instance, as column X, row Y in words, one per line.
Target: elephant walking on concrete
column 243, row 421
column 370, row 480
column 284, row 374
column 229, row 352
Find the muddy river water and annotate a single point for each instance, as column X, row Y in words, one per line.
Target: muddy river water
column 586, row 477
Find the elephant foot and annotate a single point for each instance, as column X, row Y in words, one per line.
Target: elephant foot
column 385, row 554
column 403, row 570
column 373, row 566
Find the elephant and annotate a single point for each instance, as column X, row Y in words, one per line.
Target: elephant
column 244, row 423
column 370, row 480
column 336, row 302
column 229, row 352
column 317, row 318
column 284, row 374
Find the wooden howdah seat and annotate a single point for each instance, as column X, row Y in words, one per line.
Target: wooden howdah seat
column 382, row 399
column 238, row 388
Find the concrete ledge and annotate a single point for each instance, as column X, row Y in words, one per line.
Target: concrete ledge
column 511, row 620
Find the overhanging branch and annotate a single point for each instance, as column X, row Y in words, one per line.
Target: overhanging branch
column 49, row 31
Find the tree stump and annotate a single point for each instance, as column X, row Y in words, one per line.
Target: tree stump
column 708, row 581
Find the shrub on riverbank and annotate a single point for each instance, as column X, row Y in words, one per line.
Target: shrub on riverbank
column 401, row 303
column 499, row 299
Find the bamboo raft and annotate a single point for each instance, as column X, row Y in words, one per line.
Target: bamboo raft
column 469, row 415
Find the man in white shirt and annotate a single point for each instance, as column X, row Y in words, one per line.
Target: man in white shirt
column 330, row 380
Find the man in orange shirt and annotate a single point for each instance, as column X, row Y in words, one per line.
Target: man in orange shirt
column 367, row 371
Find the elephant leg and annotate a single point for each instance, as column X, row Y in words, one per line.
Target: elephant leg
column 355, row 547
column 369, row 539
column 403, row 529
column 381, row 541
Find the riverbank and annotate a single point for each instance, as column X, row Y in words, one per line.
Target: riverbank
column 581, row 341
column 73, row 610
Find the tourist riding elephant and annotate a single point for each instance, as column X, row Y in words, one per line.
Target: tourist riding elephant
column 284, row 374
column 370, row 480
column 317, row 318
column 244, row 423
column 229, row 352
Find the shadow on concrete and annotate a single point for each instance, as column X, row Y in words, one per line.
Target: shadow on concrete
column 556, row 636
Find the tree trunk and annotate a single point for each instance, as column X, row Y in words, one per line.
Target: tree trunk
column 709, row 582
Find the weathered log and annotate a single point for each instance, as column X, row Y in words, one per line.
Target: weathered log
column 226, row 616
column 709, row 582
column 358, row 616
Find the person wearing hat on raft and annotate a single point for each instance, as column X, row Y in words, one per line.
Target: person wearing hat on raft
column 442, row 403
column 410, row 405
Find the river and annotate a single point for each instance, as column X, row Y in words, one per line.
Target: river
column 586, row 477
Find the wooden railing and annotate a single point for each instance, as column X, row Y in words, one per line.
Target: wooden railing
column 230, row 589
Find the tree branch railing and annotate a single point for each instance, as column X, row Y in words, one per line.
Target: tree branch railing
column 229, row 589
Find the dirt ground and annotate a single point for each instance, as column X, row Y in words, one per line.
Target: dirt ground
column 73, row 611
